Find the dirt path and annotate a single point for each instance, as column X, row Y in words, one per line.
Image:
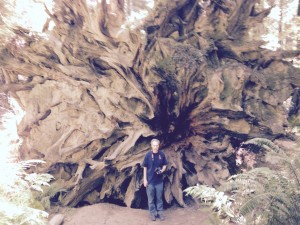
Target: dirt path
column 108, row 214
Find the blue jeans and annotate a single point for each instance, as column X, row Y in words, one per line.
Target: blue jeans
column 154, row 192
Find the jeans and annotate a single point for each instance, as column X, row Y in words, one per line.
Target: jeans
column 154, row 192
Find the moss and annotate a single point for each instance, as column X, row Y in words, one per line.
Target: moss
column 166, row 66
column 184, row 56
column 187, row 56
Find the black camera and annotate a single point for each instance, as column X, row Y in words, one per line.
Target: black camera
column 158, row 171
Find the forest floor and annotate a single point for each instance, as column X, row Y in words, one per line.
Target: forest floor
column 109, row 214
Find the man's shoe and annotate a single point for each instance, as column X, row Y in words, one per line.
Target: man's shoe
column 153, row 217
column 161, row 216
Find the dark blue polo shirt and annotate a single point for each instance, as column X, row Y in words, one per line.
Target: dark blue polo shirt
column 151, row 162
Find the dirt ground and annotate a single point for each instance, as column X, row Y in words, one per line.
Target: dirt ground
column 109, row 214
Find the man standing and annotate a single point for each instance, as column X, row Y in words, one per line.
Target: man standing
column 155, row 163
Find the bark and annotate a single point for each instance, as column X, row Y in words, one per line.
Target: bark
column 95, row 93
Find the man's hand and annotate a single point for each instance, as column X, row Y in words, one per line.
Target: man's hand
column 145, row 183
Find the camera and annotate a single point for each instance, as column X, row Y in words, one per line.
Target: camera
column 158, row 171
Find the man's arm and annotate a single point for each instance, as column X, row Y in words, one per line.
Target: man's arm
column 145, row 177
column 164, row 168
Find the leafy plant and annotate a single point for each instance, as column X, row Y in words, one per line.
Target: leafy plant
column 218, row 201
column 17, row 187
column 264, row 143
column 54, row 190
column 261, row 195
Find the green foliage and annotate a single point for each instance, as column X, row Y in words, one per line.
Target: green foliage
column 166, row 66
column 266, row 196
column 218, row 201
column 271, row 194
column 187, row 56
column 50, row 191
column 263, row 143
column 184, row 56
column 17, row 188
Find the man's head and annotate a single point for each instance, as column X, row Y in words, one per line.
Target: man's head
column 155, row 145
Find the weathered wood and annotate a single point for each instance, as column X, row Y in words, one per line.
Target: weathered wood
column 95, row 93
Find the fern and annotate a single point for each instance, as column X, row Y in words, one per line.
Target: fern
column 48, row 193
column 264, row 143
column 276, row 198
column 257, row 201
column 17, row 188
column 218, row 201
column 266, row 196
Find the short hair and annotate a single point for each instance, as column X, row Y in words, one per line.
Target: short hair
column 155, row 140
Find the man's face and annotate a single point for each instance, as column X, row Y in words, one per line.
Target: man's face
column 154, row 146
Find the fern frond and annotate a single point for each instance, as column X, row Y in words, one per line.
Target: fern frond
column 30, row 163
column 258, row 201
column 218, row 201
column 292, row 170
column 280, row 206
column 263, row 195
column 18, row 205
column 264, row 143
column 254, row 180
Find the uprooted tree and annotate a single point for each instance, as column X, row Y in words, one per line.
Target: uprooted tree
column 95, row 93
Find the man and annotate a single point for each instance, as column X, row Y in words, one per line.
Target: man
column 155, row 164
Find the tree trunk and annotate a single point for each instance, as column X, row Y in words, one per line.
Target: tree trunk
column 95, row 94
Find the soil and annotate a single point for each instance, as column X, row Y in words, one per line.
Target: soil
column 109, row 214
